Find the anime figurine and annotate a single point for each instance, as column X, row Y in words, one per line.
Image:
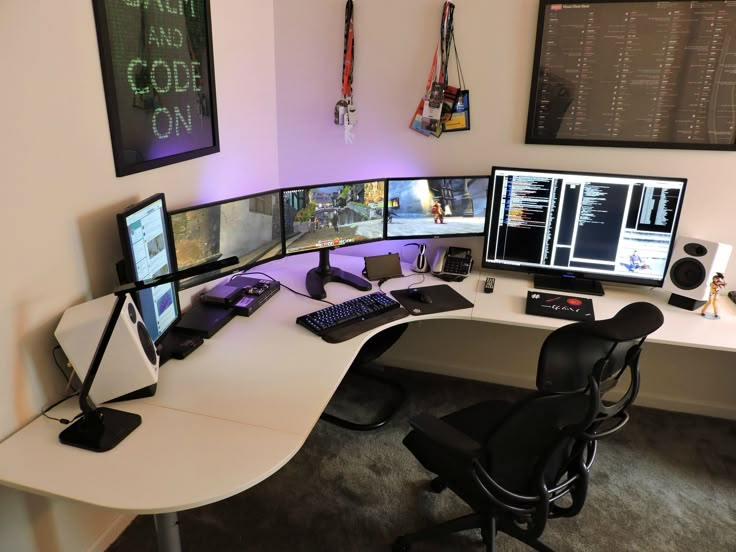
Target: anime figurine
column 716, row 285
column 438, row 212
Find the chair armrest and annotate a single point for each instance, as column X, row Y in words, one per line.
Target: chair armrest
column 623, row 418
column 445, row 435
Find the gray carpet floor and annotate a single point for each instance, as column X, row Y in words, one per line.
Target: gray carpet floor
column 666, row 482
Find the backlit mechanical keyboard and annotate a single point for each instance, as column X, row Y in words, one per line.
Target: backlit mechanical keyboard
column 351, row 311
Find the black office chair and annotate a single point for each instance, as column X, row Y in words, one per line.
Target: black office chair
column 512, row 463
column 363, row 367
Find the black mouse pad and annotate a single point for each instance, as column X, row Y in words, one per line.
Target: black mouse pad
column 444, row 298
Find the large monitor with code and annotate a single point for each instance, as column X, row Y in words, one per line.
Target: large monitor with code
column 148, row 252
column 574, row 229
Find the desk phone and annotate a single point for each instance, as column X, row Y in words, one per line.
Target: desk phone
column 452, row 263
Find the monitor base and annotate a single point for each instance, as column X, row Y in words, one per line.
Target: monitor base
column 585, row 286
column 323, row 274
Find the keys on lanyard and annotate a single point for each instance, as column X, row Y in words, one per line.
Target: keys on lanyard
column 346, row 114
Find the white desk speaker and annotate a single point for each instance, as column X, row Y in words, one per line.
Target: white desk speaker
column 129, row 368
column 692, row 267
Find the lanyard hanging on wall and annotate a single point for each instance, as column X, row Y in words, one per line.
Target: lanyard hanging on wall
column 427, row 117
column 345, row 112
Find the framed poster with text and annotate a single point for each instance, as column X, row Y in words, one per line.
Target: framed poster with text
column 159, row 78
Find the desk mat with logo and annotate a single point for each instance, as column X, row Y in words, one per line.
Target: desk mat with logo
column 444, row 298
column 556, row 305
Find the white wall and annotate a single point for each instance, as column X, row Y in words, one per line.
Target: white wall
column 61, row 194
column 58, row 171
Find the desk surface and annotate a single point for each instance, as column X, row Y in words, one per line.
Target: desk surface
column 239, row 407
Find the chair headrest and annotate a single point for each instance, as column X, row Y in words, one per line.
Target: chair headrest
column 633, row 321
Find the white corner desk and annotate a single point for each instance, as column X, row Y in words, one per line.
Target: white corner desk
column 239, row 407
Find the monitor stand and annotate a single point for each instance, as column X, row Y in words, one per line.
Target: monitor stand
column 568, row 282
column 324, row 273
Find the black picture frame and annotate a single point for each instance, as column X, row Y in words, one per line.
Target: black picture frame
column 557, row 83
column 159, row 79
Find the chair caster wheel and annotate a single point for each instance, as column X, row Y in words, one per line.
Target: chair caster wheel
column 437, row 485
column 401, row 544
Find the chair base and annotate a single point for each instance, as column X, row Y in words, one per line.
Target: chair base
column 488, row 525
column 386, row 412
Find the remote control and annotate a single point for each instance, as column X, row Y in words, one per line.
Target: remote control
column 488, row 287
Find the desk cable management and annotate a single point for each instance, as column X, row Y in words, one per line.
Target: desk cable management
column 69, row 379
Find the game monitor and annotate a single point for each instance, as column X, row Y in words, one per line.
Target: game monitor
column 436, row 207
column 323, row 217
column 148, row 252
column 574, row 229
column 247, row 227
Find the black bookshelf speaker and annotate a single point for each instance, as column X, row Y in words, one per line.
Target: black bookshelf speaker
column 129, row 368
column 692, row 267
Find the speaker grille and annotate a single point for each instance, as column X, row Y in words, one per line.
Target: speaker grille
column 695, row 249
column 146, row 342
column 687, row 273
column 131, row 313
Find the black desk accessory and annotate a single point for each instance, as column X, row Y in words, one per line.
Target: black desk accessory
column 177, row 345
column 554, row 305
column 732, row 296
column 224, row 294
column 489, row 284
column 443, row 298
column 338, row 335
column 379, row 267
column 102, row 429
column 204, row 319
column 256, row 293
column 323, row 273
column 345, row 320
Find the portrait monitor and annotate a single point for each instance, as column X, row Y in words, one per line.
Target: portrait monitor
column 575, row 229
column 247, row 227
column 436, row 207
column 148, row 252
column 323, row 217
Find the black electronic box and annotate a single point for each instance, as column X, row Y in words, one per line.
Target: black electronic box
column 255, row 293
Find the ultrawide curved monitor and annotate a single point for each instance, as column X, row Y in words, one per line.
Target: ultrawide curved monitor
column 332, row 215
column 436, row 207
column 248, row 227
column 585, row 226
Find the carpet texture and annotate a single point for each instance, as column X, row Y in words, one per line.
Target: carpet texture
column 666, row 482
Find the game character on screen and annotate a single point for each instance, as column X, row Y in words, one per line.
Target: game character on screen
column 438, row 212
column 335, row 219
column 716, row 285
column 636, row 262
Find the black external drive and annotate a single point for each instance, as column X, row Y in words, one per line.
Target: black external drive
column 223, row 294
column 204, row 320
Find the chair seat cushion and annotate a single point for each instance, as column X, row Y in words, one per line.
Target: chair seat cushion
column 477, row 422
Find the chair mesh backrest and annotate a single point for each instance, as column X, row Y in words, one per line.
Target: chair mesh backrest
column 536, row 427
column 570, row 353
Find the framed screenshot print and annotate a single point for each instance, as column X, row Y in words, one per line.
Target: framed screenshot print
column 159, row 78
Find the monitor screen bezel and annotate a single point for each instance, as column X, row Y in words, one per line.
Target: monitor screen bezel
column 128, row 257
column 241, row 266
column 602, row 277
column 431, row 235
column 325, row 185
column 532, row 138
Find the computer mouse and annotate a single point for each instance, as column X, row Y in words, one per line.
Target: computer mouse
column 418, row 295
